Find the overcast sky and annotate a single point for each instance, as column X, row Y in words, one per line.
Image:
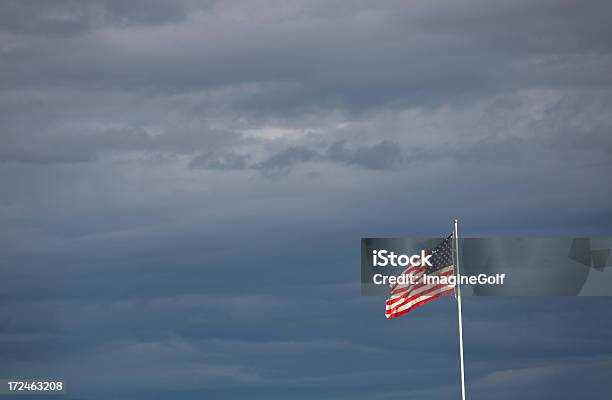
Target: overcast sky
column 184, row 185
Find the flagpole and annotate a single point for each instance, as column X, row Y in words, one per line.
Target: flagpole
column 459, row 314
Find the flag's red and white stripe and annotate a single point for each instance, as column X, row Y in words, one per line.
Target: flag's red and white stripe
column 406, row 297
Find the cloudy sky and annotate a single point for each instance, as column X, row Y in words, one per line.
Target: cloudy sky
column 184, row 185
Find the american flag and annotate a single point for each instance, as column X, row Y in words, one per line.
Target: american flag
column 406, row 297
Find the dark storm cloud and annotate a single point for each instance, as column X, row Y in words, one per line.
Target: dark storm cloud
column 266, row 68
column 184, row 186
column 453, row 53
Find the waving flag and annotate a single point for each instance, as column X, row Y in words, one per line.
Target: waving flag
column 406, row 297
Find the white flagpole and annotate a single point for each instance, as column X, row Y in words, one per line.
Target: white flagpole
column 459, row 315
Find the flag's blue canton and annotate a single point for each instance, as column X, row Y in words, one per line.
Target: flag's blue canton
column 441, row 256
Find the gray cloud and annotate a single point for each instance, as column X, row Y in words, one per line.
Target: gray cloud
column 222, row 161
column 383, row 155
column 288, row 158
column 85, row 144
column 73, row 18
column 380, row 156
column 147, row 252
